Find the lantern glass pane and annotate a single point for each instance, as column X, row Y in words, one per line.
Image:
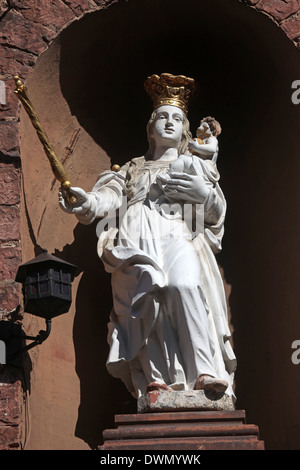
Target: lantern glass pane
column 56, row 288
column 65, row 289
column 33, row 289
column 43, row 288
column 65, row 277
column 43, row 276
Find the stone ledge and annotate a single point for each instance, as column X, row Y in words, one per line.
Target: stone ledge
column 182, row 430
column 184, row 400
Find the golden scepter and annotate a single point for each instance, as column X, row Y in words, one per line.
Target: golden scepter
column 56, row 165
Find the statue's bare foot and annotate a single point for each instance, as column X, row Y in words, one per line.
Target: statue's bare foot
column 158, row 386
column 206, row 382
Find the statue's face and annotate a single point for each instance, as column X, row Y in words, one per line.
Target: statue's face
column 167, row 127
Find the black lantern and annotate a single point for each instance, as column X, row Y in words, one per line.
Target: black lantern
column 47, row 290
column 47, row 285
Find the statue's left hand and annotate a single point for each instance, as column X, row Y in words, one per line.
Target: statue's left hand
column 186, row 188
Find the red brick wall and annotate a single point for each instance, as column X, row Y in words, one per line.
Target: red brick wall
column 286, row 14
column 26, row 29
column 11, row 401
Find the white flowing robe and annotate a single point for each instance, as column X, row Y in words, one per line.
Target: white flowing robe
column 169, row 319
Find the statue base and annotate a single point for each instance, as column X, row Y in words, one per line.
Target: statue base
column 182, row 421
column 162, row 400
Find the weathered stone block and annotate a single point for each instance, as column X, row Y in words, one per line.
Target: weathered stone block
column 10, row 258
column 183, row 400
column 10, row 395
column 23, row 34
column 292, row 26
column 9, row 139
column 53, row 14
column 3, row 7
column 278, row 9
column 251, row 2
column 103, row 3
column 9, row 223
column 9, row 297
column 9, row 437
column 80, row 6
column 9, row 184
column 14, row 62
column 10, row 409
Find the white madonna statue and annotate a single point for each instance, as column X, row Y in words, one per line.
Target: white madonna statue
column 168, row 328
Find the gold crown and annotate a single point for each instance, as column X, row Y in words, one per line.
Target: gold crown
column 167, row 89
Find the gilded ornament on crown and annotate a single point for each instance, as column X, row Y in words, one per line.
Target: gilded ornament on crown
column 168, row 89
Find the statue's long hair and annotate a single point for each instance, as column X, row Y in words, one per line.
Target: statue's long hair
column 186, row 136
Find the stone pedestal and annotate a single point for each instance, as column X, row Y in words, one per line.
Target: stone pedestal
column 178, row 429
column 184, row 400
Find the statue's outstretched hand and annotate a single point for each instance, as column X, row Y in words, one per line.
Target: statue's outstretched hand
column 82, row 204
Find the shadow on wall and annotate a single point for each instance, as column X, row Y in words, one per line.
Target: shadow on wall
column 101, row 396
column 229, row 49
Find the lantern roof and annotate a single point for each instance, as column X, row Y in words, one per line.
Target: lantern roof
column 43, row 260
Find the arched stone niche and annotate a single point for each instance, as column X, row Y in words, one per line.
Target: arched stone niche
column 87, row 88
